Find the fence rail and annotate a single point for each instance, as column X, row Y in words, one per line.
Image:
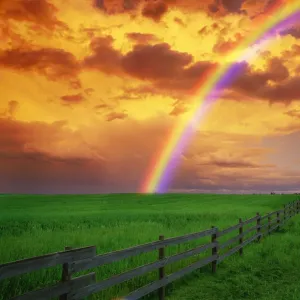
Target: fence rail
column 80, row 259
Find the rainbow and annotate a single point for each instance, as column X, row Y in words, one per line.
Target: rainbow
column 280, row 16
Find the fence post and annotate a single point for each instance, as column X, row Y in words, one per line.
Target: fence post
column 161, row 271
column 278, row 219
column 284, row 213
column 65, row 276
column 297, row 206
column 258, row 226
column 269, row 224
column 241, row 238
column 214, row 250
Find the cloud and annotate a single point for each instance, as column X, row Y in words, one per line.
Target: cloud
column 72, row 99
column 184, row 81
column 294, row 31
column 116, row 116
column 255, row 8
column 231, row 164
column 284, row 92
column 178, row 109
column 295, row 113
column 169, row 71
column 174, row 73
column 293, row 52
column 155, row 62
column 73, row 161
column 165, row 67
column 104, row 58
column 179, row 21
column 89, row 91
column 256, row 83
column 209, row 6
column 141, row 38
column 223, row 47
column 154, row 9
column 41, row 148
column 233, row 6
column 116, row 6
column 12, row 108
column 211, row 164
column 53, row 63
column 39, row 12
column 101, row 106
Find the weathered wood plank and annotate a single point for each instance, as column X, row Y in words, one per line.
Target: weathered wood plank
column 274, row 220
column 23, row 266
column 273, row 228
column 99, row 286
column 58, row 289
column 236, row 238
column 235, row 249
column 270, row 214
column 231, row 241
column 263, row 227
column 229, row 229
column 250, row 220
column 287, row 218
column 102, row 259
column 251, row 229
column 159, row 283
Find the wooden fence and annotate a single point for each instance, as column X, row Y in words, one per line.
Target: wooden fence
column 75, row 260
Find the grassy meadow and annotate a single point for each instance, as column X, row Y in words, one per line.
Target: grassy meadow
column 32, row 225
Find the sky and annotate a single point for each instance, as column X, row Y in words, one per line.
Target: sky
column 91, row 89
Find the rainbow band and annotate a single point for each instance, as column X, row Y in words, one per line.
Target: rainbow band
column 279, row 18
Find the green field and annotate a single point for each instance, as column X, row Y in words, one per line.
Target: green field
column 32, row 225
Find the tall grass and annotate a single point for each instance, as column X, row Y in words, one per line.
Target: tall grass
column 32, row 225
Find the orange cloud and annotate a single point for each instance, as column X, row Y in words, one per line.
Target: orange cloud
column 104, row 57
column 39, row 12
column 142, row 38
column 155, row 9
column 52, row 63
column 72, row 99
column 164, row 62
column 224, row 47
column 116, row 116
